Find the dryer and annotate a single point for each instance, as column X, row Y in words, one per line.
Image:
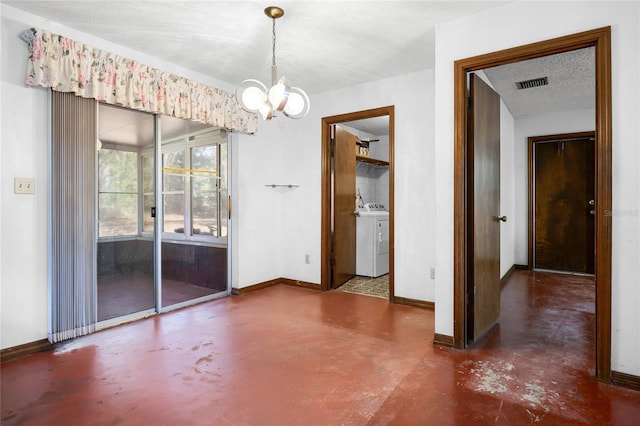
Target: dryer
column 372, row 240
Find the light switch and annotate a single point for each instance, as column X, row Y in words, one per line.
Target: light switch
column 24, row 185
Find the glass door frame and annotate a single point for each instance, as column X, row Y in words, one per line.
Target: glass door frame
column 160, row 235
column 157, row 234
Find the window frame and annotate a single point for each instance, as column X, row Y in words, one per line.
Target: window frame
column 185, row 143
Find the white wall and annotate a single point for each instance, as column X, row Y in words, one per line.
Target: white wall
column 526, row 22
column 23, row 224
column 255, row 212
column 507, row 195
column 414, row 179
column 538, row 125
column 23, row 153
column 373, row 183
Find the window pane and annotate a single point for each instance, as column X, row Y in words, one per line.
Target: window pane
column 117, row 193
column 173, row 192
column 174, row 213
column 118, row 214
column 203, row 206
column 204, row 191
column 171, row 181
column 147, row 174
column 118, row 171
column 204, row 158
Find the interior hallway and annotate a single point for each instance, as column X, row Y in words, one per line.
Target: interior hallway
column 286, row 355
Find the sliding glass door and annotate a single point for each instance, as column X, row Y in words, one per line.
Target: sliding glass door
column 125, row 255
column 162, row 213
column 194, row 223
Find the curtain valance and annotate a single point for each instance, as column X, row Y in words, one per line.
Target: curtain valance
column 67, row 65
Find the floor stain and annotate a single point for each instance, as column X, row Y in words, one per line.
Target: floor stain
column 207, row 358
column 492, row 377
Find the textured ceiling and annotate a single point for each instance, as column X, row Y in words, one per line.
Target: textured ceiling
column 321, row 45
column 571, row 77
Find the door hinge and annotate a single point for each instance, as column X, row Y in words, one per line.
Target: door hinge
column 469, row 102
column 333, row 147
column 332, row 261
column 153, row 212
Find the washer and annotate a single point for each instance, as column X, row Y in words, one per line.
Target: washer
column 372, row 240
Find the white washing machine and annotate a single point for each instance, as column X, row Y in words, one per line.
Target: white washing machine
column 372, row 240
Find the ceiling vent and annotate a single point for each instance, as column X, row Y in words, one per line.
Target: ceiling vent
column 536, row 82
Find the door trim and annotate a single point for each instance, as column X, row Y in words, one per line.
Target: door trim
column 600, row 39
column 325, row 239
column 531, row 141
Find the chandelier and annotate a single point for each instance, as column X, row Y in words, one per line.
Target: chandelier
column 253, row 96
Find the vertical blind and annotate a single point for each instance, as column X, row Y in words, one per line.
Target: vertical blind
column 73, row 235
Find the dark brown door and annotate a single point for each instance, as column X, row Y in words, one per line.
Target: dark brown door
column 483, row 289
column 564, row 220
column 344, row 195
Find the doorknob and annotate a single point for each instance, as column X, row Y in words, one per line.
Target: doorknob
column 501, row 218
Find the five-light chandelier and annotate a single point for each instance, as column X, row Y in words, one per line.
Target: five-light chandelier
column 254, row 96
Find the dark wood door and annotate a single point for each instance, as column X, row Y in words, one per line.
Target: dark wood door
column 483, row 281
column 344, row 218
column 564, row 193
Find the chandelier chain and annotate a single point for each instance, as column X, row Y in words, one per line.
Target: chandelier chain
column 273, row 55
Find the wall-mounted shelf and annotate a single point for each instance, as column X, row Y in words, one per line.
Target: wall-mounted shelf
column 288, row 185
column 373, row 161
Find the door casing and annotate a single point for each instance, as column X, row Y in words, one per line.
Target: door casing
column 600, row 39
column 325, row 249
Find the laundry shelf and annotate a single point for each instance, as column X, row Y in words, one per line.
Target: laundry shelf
column 373, row 161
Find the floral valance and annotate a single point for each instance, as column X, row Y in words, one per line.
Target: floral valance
column 67, row 65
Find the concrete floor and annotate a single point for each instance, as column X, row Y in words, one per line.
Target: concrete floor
column 291, row 356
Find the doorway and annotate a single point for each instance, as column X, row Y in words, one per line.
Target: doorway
column 601, row 40
column 561, row 202
column 155, row 256
column 339, row 190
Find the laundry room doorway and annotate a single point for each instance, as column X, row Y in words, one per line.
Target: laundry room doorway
column 357, row 202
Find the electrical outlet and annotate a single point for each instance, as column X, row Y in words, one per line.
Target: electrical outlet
column 307, row 259
column 433, row 273
column 24, row 185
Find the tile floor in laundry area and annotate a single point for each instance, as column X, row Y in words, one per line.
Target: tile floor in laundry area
column 370, row 286
column 292, row 356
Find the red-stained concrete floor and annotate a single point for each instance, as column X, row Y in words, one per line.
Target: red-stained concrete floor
column 292, row 356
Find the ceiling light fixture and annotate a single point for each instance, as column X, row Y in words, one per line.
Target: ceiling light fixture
column 254, row 96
